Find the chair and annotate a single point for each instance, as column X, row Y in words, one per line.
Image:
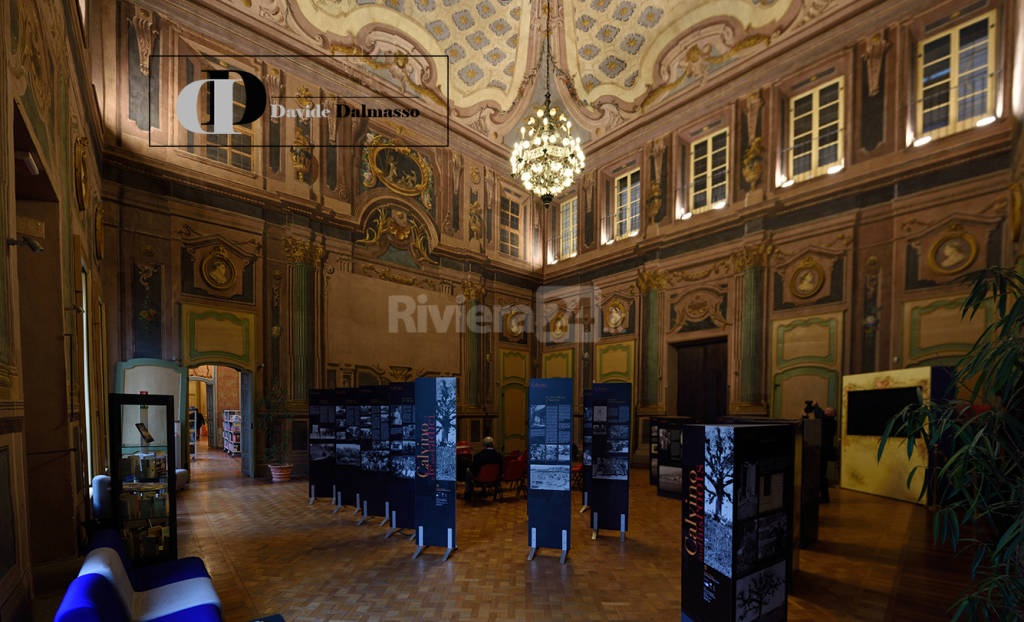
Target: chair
column 489, row 477
column 576, row 473
column 514, row 474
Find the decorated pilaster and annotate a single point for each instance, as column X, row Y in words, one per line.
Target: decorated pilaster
column 473, row 370
column 650, row 285
column 750, row 262
column 303, row 257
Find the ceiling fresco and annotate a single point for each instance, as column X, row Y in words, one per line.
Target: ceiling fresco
column 613, row 59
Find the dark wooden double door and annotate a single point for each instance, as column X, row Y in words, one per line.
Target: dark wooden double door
column 702, row 382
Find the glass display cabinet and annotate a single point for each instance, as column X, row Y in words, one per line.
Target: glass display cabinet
column 142, row 475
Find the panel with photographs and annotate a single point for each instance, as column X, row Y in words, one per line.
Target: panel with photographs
column 738, row 529
column 550, row 452
column 670, row 457
column 610, row 449
column 402, row 433
column 550, row 445
column 321, row 443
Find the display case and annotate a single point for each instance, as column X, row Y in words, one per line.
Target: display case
column 232, row 432
column 142, row 475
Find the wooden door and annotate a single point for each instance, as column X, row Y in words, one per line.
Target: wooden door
column 702, row 386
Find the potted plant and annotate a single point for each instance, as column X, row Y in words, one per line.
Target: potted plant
column 977, row 446
column 272, row 420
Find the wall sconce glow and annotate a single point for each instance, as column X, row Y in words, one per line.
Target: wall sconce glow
column 718, row 204
column 786, row 183
column 924, row 140
column 989, row 120
column 835, row 168
column 686, row 216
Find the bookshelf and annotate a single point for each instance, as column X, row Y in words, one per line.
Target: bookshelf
column 233, row 432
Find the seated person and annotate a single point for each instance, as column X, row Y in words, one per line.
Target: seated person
column 487, row 455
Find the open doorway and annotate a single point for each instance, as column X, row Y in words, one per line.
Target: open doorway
column 55, row 458
column 218, row 395
column 702, row 388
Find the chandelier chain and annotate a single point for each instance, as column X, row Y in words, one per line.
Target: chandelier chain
column 547, row 157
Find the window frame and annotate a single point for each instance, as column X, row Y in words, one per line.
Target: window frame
column 627, row 208
column 952, row 103
column 690, row 199
column 507, row 230
column 817, row 169
column 568, row 237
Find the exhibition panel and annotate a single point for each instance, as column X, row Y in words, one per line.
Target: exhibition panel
column 737, row 522
column 550, row 447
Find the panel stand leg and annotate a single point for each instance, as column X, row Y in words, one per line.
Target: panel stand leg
column 356, row 511
column 533, row 544
column 451, row 546
column 393, row 529
column 586, row 502
column 420, row 547
column 565, row 546
column 387, row 512
column 337, row 503
column 622, row 527
column 533, row 551
column 312, row 494
column 365, row 515
column 593, row 525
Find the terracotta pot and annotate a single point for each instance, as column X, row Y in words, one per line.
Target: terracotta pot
column 280, row 472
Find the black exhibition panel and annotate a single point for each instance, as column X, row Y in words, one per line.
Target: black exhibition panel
column 737, row 522
column 142, row 475
column 375, row 440
column 588, row 430
column 809, row 480
column 321, row 443
column 670, row 457
column 609, row 492
column 550, row 446
column 348, row 449
column 401, row 491
column 435, row 462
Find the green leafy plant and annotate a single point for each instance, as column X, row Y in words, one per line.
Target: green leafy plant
column 977, row 446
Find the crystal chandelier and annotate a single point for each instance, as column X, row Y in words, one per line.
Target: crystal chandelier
column 546, row 157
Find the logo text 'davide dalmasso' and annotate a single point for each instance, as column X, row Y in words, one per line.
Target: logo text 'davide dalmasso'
column 221, row 105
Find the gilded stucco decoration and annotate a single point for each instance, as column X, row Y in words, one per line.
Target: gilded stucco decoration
column 473, row 292
column 303, row 251
column 807, row 278
column 615, row 316
column 753, row 255
column 398, row 235
column 81, row 173
column 304, row 162
column 387, row 274
column 953, row 252
column 874, row 53
column 398, row 168
column 611, row 59
column 217, row 263
column 699, row 307
column 145, row 35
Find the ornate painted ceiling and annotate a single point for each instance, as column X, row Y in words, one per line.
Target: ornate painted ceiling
column 613, row 59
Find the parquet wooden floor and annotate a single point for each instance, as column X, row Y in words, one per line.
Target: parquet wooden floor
column 270, row 552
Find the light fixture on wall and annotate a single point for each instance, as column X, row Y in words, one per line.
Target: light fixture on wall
column 547, row 157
